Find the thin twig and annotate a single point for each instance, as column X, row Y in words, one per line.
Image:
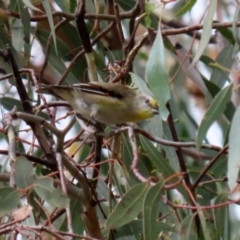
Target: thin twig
column 133, row 142
column 47, row 48
column 95, row 40
column 119, row 26
column 64, row 188
column 209, row 165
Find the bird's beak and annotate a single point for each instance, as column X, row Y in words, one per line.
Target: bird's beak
column 155, row 112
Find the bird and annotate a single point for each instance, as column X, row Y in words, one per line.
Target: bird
column 109, row 103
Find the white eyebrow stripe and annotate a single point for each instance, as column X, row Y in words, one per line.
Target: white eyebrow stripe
column 93, row 91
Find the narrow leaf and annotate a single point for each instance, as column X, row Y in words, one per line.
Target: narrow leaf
column 157, row 76
column 225, row 58
column 48, row 10
column 24, row 172
column 234, row 150
column 135, row 228
column 153, row 125
column 151, row 211
column 25, row 19
column 128, row 208
column 207, row 30
column 158, row 160
column 221, row 216
column 9, row 103
column 205, row 230
column 187, row 7
column 191, row 72
column 187, row 231
column 170, row 151
column 214, row 111
column 227, row 34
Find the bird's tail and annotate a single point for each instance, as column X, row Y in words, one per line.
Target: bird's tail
column 63, row 92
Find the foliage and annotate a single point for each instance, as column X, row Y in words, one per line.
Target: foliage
column 170, row 177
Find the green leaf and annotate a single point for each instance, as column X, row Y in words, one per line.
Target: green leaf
column 205, row 230
column 48, row 10
column 9, row 103
column 214, row 90
column 187, row 7
column 170, row 151
column 140, row 84
column 221, row 217
column 55, row 64
column 187, row 231
column 77, row 223
column 130, row 4
column 207, row 30
column 64, row 5
column 24, row 173
column 45, row 189
column 158, row 160
column 190, row 72
column 206, row 60
column 148, row 8
column 214, row 111
column 25, row 18
column 227, row 34
column 157, row 76
column 129, row 207
column 135, row 228
column 219, row 169
column 151, row 212
column 38, row 211
column 234, row 150
column 103, row 191
column 72, row 6
column 225, row 58
column 130, row 229
column 9, row 200
column 153, row 125
column 5, row 40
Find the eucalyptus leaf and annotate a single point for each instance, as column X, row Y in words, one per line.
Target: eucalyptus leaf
column 45, row 189
column 234, row 151
column 225, row 58
column 129, row 207
column 221, row 217
column 186, row 8
column 24, row 174
column 150, row 211
column 48, row 10
column 9, row 200
column 207, row 30
column 157, row 76
column 153, row 125
column 187, row 231
column 214, row 111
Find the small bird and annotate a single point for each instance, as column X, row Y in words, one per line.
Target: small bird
column 109, row 103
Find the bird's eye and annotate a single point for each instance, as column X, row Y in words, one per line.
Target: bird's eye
column 147, row 101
